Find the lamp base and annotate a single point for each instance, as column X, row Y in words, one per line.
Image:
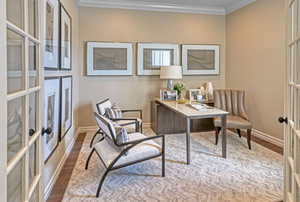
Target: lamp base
column 170, row 84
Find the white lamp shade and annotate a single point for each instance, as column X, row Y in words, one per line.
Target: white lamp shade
column 171, row 72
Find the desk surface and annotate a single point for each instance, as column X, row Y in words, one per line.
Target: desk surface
column 190, row 112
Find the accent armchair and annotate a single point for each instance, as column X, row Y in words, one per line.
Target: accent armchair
column 232, row 101
column 115, row 155
column 132, row 124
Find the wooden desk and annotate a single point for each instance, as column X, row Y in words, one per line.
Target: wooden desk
column 188, row 113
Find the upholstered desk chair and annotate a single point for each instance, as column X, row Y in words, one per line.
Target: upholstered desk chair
column 132, row 124
column 232, row 101
column 115, row 154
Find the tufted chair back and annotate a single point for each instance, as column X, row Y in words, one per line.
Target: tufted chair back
column 232, row 101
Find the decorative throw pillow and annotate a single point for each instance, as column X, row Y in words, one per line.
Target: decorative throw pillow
column 113, row 112
column 121, row 136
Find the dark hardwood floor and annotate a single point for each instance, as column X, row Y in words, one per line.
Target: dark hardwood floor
column 65, row 175
column 61, row 184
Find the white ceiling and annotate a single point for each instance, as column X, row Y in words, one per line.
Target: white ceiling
column 218, row 7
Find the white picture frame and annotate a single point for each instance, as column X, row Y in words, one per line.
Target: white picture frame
column 65, row 39
column 205, row 61
column 168, row 95
column 123, row 67
column 51, row 115
column 51, row 56
column 66, row 117
column 193, row 94
column 142, row 70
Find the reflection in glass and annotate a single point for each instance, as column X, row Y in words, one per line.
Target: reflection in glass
column 15, row 182
column 33, row 64
column 15, row 127
column 155, row 58
column 33, row 17
column 15, row 62
column 33, row 168
column 33, row 105
column 15, row 12
column 161, row 58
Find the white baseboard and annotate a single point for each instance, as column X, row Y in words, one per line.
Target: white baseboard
column 50, row 185
column 268, row 138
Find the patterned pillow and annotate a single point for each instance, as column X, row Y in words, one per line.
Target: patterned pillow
column 121, row 137
column 113, row 112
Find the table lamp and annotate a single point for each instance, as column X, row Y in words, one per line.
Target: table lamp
column 170, row 73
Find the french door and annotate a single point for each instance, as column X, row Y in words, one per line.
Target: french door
column 20, row 100
column 292, row 106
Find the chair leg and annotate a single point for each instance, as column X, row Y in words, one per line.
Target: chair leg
column 217, row 130
column 101, row 183
column 239, row 132
column 89, row 158
column 141, row 127
column 163, row 158
column 92, row 141
column 249, row 138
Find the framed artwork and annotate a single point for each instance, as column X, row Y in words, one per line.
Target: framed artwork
column 194, row 94
column 109, row 58
column 152, row 56
column 66, row 105
column 201, row 59
column 51, row 115
column 65, row 39
column 51, row 58
column 170, row 95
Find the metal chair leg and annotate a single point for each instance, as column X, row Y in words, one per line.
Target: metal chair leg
column 217, row 130
column 239, row 132
column 92, row 141
column 141, row 127
column 89, row 158
column 249, row 138
column 101, row 183
column 163, row 158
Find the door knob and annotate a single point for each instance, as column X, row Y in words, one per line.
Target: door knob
column 31, row 132
column 283, row 120
column 48, row 131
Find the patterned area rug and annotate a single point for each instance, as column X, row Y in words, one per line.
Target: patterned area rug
column 245, row 176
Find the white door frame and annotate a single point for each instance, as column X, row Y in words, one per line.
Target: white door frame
column 4, row 98
column 292, row 104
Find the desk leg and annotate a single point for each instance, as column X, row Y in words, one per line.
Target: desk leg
column 224, row 133
column 188, row 141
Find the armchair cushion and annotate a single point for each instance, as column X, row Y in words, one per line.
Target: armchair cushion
column 141, row 151
column 234, row 122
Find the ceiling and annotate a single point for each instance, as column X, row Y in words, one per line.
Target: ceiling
column 217, row 7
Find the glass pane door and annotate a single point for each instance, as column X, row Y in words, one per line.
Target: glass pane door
column 292, row 130
column 20, row 93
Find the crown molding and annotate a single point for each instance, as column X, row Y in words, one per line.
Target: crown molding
column 152, row 7
column 238, row 6
column 165, row 7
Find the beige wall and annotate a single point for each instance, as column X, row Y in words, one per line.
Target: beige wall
column 255, row 61
column 54, row 161
column 96, row 24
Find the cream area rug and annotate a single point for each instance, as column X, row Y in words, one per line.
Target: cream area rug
column 245, row 176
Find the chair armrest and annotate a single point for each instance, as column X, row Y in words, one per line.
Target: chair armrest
column 134, row 121
column 134, row 110
column 135, row 142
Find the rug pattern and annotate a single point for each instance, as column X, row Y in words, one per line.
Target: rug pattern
column 245, row 176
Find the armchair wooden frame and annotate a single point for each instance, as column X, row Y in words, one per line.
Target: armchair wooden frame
column 130, row 145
